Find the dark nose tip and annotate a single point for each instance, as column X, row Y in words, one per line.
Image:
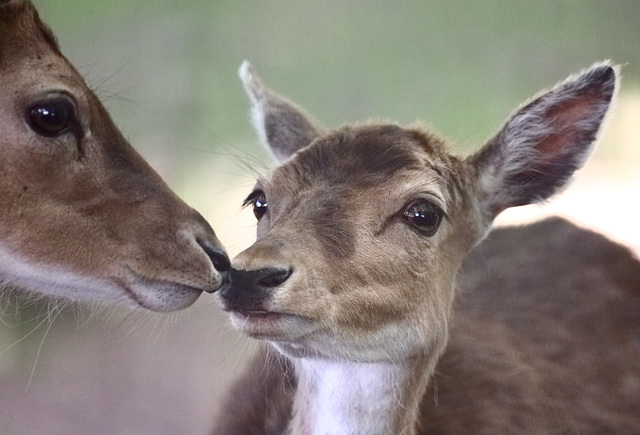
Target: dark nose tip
column 249, row 289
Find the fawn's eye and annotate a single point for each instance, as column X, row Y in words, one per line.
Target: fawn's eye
column 424, row 216
column 51, row 118
column 258, row 200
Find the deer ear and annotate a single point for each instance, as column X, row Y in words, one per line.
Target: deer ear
column 541, row 146
column 281, row 125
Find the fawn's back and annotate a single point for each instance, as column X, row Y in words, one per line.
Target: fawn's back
column 545, row 337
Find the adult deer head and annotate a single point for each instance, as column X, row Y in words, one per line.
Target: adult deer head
column 82, row 215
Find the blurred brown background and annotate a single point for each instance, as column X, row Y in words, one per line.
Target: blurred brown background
column 168, row 73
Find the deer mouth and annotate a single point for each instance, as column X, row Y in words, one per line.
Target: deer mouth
column 259, row 314
column 264, row 324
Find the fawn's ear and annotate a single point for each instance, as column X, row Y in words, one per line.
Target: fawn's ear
column 281, row 125
column 544, row 142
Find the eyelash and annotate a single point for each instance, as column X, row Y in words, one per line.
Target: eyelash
column 258, row 200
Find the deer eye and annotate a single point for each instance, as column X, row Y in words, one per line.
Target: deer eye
column 51, row 118
column 258, row 200
column 424, row 216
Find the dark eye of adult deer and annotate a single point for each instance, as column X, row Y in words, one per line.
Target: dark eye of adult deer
column 52, row 118
column 339, row 285
column 83, row 216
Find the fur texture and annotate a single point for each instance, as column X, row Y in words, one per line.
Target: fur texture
column 544, row 340
column 84, row 217
column 361, row 233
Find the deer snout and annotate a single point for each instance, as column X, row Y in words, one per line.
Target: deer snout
column 249, row 290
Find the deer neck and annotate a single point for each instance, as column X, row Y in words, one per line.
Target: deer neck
column 343, row 397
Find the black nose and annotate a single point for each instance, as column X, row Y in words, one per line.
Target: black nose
column 249, row 289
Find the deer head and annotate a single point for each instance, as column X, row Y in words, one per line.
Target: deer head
column 361, row 229
column 83, row 215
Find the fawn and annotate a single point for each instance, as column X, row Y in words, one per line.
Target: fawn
column 351, row 282
column 83, row 215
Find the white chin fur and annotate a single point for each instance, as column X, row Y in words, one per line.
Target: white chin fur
column 52, row 281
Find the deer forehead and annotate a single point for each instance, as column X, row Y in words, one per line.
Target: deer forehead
column 355, row 160
column 23, row 36
column 29, row 49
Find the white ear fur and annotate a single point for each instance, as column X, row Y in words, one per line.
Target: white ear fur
column 254, row 89
column 282, row 126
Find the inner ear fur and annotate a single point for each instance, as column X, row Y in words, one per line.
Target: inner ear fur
column 543, row 143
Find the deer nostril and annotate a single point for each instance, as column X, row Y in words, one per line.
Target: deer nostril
column 272, row 277
column 218, row 257
column 220, row 261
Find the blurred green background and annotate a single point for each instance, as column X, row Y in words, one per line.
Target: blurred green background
column 167, row 71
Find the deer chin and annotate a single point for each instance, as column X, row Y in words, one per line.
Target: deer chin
column 132, row 290
column 162, row 296
column 167, row 293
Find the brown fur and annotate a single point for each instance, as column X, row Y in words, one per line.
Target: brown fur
column 361, row 233
column 544, row 340
column 83, row 215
